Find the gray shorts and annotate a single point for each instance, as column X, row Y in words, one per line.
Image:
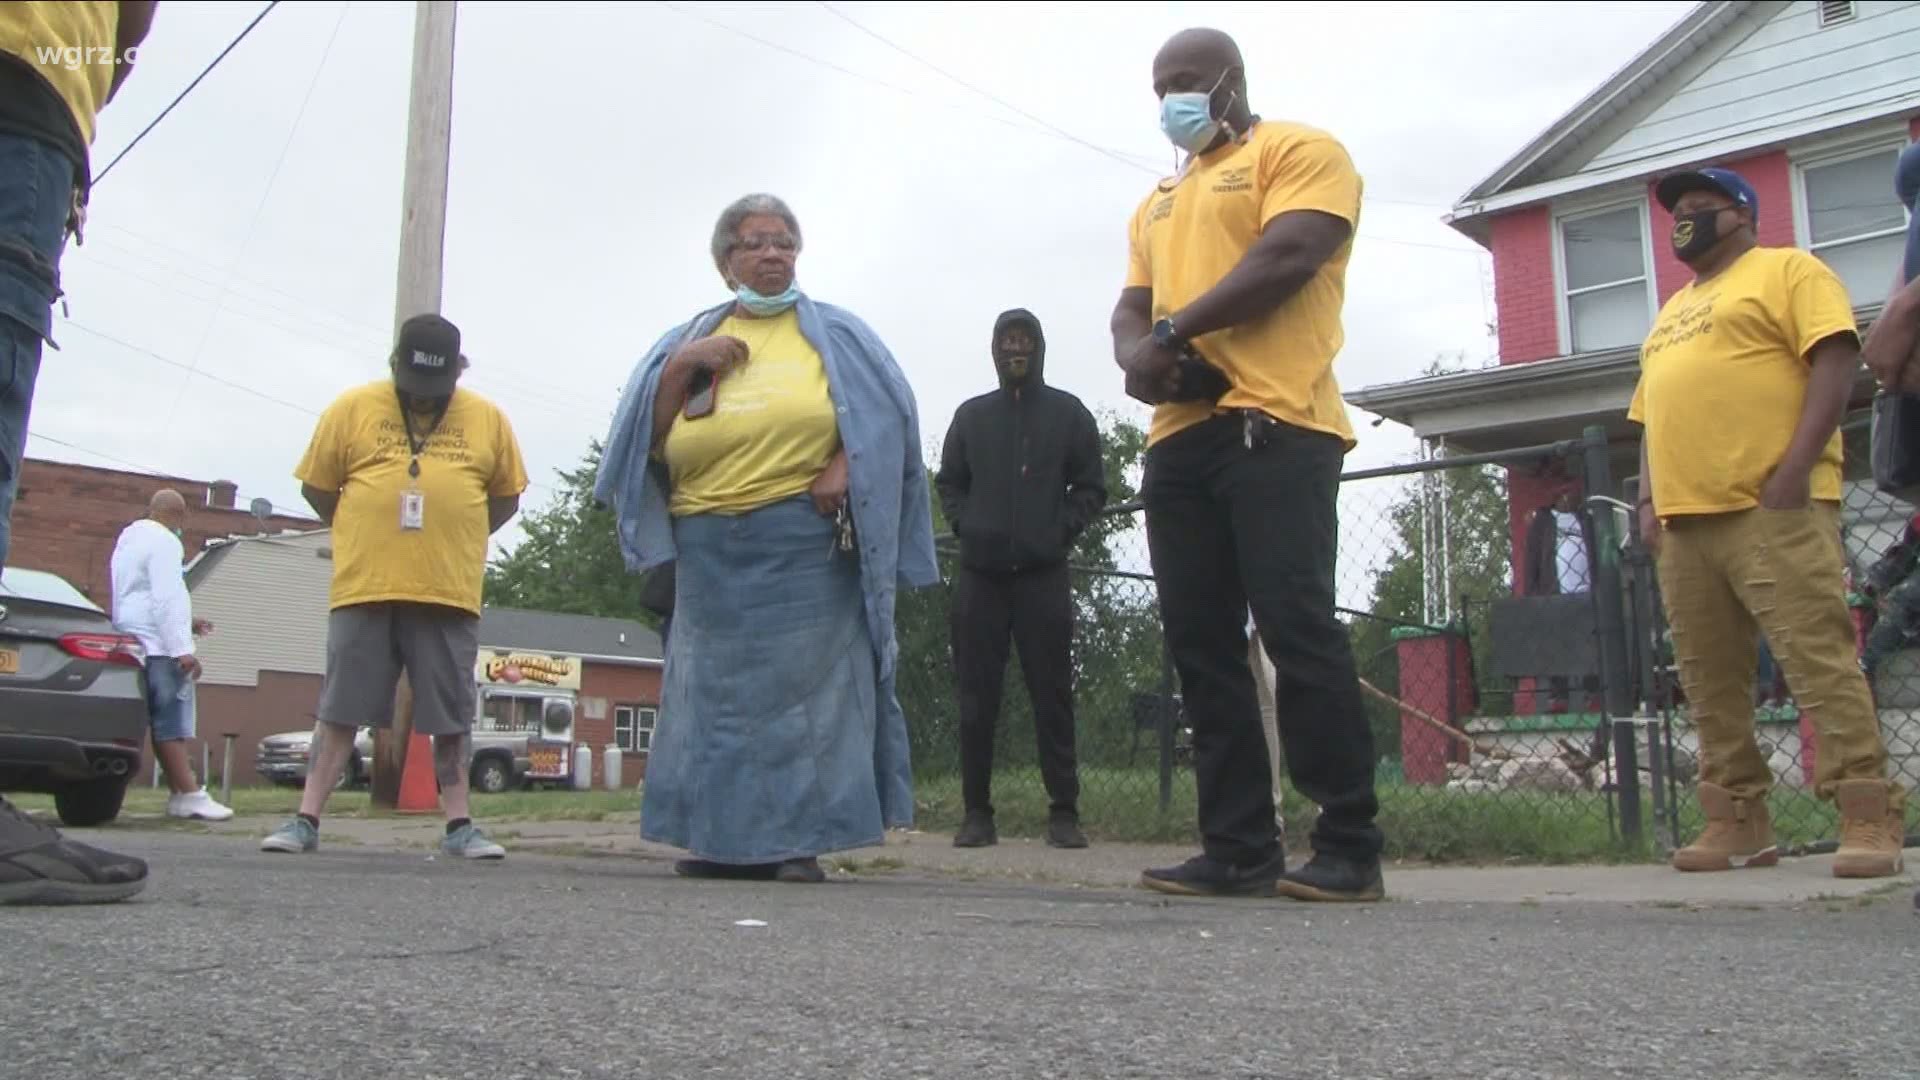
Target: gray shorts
column 368, row 645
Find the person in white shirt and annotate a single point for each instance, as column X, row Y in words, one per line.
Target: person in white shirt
column 151, row 602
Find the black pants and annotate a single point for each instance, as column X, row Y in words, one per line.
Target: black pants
column 1035, row 610
column 1232, row 528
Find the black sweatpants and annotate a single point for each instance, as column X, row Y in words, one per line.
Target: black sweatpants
column 1232, row 528
column 1035, row 610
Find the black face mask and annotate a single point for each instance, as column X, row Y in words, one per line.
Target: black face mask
column 1695, row 234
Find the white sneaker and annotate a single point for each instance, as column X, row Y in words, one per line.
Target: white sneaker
column 197, row 804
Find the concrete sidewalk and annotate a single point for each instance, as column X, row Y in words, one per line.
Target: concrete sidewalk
column 1117, row 866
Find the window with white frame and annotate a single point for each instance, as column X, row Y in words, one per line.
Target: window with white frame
column 1854, row 222
column 633, row 727
column 1608, row 289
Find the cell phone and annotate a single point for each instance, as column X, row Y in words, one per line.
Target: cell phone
column 700, row 401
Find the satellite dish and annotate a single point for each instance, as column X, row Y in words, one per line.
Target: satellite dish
column 261, row 509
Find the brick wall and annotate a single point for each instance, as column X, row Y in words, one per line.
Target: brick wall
column 1523, row 288
column 615, row 684
column 68, row 517
column 1772, row 178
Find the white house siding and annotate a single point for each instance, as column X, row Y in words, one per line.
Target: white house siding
column 267, row 599
column 1790, row 70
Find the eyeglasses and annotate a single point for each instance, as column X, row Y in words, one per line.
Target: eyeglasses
column 781, row 242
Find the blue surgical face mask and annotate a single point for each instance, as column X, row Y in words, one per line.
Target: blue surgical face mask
column 1187, row 119
column 766, row 305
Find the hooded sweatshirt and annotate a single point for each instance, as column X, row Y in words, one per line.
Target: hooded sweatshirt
column 1021, row 475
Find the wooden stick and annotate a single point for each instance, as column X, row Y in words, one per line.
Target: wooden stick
column 1494, row 752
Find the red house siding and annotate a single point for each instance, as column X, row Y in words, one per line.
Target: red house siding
column 1523, row 288
column 1772, row 178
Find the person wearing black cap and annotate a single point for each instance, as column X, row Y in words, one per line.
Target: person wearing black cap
column 1744, row 379
column 1893, row 345
column 412, row 475
column 1020, row 479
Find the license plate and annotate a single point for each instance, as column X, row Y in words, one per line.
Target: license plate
column 547, row 762
column 9, row 661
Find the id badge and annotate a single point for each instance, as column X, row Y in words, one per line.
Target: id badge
column 413, row 510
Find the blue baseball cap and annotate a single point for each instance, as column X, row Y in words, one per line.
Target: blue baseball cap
column 1720, row 181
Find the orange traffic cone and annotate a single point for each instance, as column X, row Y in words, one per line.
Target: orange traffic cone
column 419, row 791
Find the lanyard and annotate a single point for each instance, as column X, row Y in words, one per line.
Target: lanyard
column 417, row 446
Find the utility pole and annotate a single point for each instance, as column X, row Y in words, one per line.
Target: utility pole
column 423, row 231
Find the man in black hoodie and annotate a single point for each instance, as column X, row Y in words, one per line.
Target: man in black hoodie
column 1020, row 479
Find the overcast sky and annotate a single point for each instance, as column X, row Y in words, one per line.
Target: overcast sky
column 252, row 236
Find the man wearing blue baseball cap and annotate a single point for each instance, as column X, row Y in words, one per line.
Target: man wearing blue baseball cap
column 1743, row 382
column 1894, row 344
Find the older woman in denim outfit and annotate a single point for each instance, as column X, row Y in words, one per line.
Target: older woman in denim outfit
column 770, row 448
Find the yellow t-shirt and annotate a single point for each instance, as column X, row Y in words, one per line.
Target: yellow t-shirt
column 1723, row 379
column 1185, row 237
column 773, row 428
column 71, row 45
column 360, row 449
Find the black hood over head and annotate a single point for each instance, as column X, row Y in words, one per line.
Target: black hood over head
column 1037, row 363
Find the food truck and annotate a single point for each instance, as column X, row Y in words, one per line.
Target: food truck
column 527, row 701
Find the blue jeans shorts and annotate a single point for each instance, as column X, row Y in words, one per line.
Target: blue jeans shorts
column 170, row 700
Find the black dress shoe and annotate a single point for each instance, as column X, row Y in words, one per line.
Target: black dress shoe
column 801, row 872
column 1332, row 879
column 701, row 868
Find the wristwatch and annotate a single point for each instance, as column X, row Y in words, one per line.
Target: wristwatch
column 1165, row 336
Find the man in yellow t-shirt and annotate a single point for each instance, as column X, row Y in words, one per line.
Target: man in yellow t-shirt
column 412, row 475
column 1744, row 379
column 1228, row 324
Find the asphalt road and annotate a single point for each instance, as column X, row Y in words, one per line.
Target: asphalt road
column 352, row 963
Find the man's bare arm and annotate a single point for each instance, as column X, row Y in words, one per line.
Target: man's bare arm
column 500, row 510
column 1290, row 251
column 136, row 19
column 1834, row 360
column 1132, row 320
column 324, row 503
column 1890, row 346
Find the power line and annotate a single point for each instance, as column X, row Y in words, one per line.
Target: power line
column 259, row 208
column 183, row 94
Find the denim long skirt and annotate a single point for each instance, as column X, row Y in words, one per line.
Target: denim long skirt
column 764, row 749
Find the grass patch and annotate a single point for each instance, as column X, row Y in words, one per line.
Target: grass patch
column 284, row 802
column 1421, row 823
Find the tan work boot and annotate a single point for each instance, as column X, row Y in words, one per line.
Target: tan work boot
column 1739, row 833
column 1871, row 830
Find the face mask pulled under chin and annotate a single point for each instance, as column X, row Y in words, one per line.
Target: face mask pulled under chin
column 767, row 305
column 1695, row 234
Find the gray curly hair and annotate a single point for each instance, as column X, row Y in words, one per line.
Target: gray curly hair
column 727, row 229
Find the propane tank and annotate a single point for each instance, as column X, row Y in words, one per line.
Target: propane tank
column 582, row 767
column 611, row 757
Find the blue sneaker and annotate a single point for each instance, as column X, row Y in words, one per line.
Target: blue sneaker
column 296, row 837
column 468, row 842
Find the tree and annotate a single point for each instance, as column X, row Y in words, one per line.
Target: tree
column 569, row 560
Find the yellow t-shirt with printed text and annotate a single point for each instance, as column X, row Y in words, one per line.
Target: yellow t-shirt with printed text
column 1723, row 380
column 70, row 45
column 360, row 449
column 772, row 431
column 1189, row 234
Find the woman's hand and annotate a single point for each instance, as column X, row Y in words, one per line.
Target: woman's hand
column 717, row 355
column 830, row 487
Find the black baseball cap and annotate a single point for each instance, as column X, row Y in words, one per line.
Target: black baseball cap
column 1720, row 181
column 427, row 358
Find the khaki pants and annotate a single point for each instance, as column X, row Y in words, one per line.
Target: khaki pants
column 1779, row 571
column 1263, row 676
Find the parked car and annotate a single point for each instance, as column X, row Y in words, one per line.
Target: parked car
column 500, row 762
column 73, row 698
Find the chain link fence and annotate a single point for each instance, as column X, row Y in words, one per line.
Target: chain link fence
column 1484, row 699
